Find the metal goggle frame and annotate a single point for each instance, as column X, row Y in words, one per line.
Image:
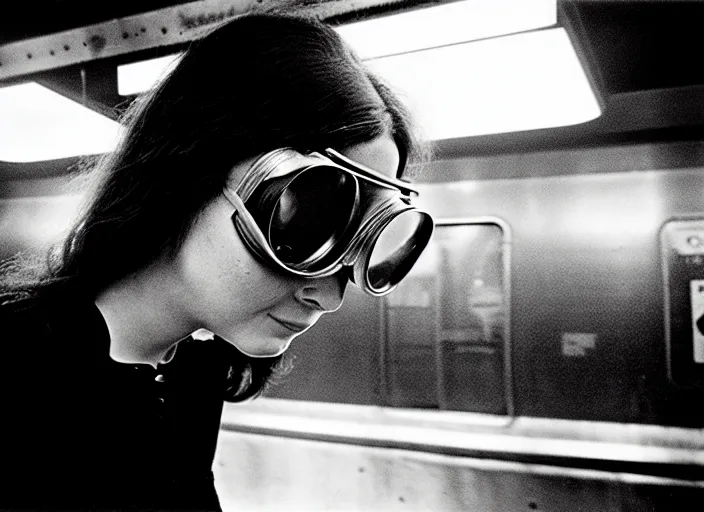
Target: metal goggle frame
column 371, row 225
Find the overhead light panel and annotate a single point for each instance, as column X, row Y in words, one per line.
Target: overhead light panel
column 451, row 23
column 38, row 124
column 466, row 68
column 513, row 83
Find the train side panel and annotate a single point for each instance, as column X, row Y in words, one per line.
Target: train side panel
column 585, row 263
column 263, row 472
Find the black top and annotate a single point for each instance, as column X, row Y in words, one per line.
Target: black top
column 81, row 431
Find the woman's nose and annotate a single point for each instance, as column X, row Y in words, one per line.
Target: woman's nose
column 324, row 293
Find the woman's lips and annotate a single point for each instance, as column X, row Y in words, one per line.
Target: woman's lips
column 291, row 326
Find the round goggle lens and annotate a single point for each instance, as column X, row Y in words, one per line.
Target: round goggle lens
column 311, row 214
column 397, row 248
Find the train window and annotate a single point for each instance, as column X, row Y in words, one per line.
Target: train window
column 446, row 324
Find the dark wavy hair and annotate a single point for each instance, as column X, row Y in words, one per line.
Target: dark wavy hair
column 256, row 83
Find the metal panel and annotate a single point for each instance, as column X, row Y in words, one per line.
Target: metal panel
column 586, row 269
column 682, row 245
column 450, row 165
column 645, row 449
column 164, row 27
column 266, row 473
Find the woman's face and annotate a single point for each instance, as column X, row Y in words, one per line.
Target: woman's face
column 232, row 294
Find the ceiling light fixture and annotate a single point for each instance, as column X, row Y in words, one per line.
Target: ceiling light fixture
column 39, row 124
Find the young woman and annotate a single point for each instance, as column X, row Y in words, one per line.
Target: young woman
column 249, row 187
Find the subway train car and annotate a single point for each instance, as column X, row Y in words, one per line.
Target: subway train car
column 547, row 350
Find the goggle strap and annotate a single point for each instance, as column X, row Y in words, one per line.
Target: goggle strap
column 260, row 170
column 370, row 174
column 252, row 227
column 282, row 162
column 368, row 178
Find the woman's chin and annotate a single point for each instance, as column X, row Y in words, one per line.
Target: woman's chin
column 270, row 347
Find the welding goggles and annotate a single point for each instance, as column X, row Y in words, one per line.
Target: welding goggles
column 313, row 214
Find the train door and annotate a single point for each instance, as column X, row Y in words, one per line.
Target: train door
column 447, row 329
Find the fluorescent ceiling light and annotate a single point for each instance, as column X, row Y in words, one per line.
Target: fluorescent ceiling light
column 456, row 22
column 460, row 75
column 456, row 88
column 140, row 76
column 513, row 83
column 451, row 23
column 38, row 124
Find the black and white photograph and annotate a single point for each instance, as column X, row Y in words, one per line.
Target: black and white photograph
column 352, row 256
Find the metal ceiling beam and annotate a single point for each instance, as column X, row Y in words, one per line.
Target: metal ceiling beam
column 170, row 26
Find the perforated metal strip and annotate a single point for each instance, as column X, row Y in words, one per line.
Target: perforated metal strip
column 163, row 27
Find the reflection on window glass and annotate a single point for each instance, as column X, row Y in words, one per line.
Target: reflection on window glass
column 445, row 324
column 411, row 333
